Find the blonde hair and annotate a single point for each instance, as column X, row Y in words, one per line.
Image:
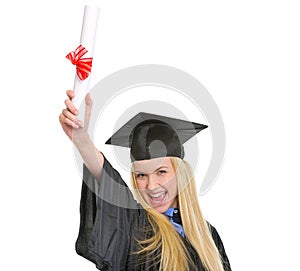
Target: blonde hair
column 174, row 255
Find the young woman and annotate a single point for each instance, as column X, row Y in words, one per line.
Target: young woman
column 161, row 227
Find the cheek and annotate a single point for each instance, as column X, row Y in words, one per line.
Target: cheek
column 141, row 185
column 172, row 184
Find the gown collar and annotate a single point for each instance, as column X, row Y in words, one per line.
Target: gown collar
column 175, row 219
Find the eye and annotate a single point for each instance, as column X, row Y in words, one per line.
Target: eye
column 140, row 175
column 161, row 172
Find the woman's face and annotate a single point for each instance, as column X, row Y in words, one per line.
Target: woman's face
column 156, row 181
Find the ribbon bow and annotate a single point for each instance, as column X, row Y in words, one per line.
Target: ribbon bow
column 83, row 65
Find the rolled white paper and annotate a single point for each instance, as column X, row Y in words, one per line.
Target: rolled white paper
column 87, row 40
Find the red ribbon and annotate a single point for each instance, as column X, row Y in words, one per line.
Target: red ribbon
column 83, row 65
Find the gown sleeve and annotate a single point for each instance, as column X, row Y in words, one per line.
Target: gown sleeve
column 107, row 209
column 217, row 239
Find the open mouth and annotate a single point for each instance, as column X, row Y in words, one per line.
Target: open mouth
column 157, row 198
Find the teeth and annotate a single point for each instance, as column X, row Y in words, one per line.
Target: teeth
column 156, row 195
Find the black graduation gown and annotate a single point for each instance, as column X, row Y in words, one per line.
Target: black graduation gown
column 108, row 231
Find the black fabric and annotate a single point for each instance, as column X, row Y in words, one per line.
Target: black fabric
column 151, row 136
column 108, row 232
column 152, row 139
column 176, row 216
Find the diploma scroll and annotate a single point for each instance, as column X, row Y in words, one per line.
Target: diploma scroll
column 87, row 40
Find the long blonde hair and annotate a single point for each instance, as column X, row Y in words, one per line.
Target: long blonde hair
column 174, row 255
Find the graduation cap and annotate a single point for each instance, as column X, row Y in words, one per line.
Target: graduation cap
column 150, row 136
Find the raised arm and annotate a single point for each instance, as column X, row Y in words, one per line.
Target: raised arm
column 72, row 127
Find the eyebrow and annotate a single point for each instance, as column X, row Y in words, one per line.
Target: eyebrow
column 161, row 168
column 158, row 169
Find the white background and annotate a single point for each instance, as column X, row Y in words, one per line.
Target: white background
column 246, row 53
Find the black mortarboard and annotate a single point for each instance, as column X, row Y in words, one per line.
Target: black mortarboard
column 150, row 136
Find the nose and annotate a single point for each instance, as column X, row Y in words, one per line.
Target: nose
column 152, row 182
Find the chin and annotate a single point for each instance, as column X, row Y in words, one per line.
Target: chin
column 162, row 208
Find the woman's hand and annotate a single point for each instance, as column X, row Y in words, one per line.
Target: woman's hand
column 71, row 125
column 73, row 128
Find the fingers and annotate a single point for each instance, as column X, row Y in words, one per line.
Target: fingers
column 88, row 109
column 88, row 99
column 69, row 115
column 70, row 94
column 68, row 102
column 70, row 106
column 68, row 118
